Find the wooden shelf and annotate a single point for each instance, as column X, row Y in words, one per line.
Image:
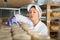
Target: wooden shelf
column 53, row 18
column 50, row 8
column 19, row 3
column 57, row 4
column 53, row 31
column 54, row 28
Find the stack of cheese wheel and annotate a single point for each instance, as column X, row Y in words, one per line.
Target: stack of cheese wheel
column 24, row 26
column 5, row 33
column 19, row 33
column 34, row 34
column 55, row 25
column 56, row 14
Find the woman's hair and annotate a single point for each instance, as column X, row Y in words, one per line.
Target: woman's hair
column 37, row 8
column 33, row 7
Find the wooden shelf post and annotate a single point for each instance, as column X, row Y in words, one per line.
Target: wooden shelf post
column 48, row 15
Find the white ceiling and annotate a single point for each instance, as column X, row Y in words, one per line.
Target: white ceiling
column 42, row 2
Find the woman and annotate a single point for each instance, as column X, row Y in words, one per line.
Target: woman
column 35, row 19
column 35, row 16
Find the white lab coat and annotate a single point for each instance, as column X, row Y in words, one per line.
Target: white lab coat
column 40, row 28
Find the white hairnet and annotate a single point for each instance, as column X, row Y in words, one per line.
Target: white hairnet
column 37, row 7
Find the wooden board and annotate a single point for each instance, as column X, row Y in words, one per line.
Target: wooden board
column 18, row 3
column 1, row 3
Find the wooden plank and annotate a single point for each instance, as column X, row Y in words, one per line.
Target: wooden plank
column 55, row 4
column 48, row 15
column 1, row 3
column 19, row 3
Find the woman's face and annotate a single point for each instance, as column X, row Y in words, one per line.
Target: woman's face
column 33, row 13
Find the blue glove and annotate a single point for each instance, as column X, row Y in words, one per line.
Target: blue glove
column 11, row 21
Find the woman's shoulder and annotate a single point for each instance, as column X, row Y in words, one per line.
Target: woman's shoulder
column 41, row 23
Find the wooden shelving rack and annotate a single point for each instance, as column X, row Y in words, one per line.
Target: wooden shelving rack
column 49, row 5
